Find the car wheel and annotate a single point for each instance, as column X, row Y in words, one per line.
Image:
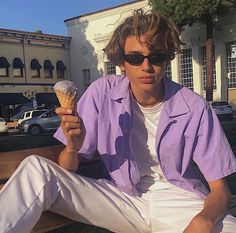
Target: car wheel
column 35, row 130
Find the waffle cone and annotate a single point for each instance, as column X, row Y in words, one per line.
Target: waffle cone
column 67, row 100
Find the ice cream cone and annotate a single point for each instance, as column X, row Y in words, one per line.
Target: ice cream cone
column 66, row 92
column 67, row 100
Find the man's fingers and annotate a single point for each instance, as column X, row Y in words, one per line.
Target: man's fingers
column 63, row 111
column 70, row 118
column 72, row 125
column 77, row 131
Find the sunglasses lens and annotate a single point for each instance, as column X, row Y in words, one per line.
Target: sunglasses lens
column 137, row 59
column 134, row 59
column 158, row 58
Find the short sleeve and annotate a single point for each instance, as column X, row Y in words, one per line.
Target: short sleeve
column 212, row 152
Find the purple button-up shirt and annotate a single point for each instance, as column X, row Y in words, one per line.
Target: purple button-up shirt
column 191, row 145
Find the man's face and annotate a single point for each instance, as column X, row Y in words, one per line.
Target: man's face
column 145, row 77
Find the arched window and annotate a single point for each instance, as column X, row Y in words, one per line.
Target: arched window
column 61, row 68
column 48, row 69
column 18, row 67
column 35, row 68
column 4, row 67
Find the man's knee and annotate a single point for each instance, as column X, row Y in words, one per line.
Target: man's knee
column 34, row 163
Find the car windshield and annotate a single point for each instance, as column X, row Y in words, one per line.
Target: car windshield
column 49, row 114
column 220, row 103
column 38, row 113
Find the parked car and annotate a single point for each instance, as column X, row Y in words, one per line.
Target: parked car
column 3, row 126
column 29, row 114
column 19, row 111
column 46, row 122
column 223, row 110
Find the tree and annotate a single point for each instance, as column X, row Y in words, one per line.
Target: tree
column 39, row 31
column 188, row 12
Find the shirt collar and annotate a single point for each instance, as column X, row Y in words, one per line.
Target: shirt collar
column 119, row 91
column 174, row 102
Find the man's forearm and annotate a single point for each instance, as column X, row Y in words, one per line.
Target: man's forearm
column 216, row 205
column 69, row 159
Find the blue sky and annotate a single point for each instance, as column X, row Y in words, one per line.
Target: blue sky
column 47, row 15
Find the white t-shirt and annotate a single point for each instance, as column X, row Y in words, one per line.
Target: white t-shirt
column 143, row 144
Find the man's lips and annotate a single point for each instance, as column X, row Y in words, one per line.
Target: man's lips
column 147, row 79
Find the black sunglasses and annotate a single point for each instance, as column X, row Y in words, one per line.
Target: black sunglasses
column 137, row 59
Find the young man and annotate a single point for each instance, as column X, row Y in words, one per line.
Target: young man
column 161, row 143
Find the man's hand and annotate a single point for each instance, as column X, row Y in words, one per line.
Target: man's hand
column 73, row 128
column 74, row 131
column 215, row 207
column 199, row 224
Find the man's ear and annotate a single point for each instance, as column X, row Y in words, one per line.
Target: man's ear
column 122, row 68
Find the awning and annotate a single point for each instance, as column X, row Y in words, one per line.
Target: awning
column 61, row 66
column 13, row 98
column 4, row 63
column 47, row 98
column 48, row 65
column 35, row 64
column 17, row 63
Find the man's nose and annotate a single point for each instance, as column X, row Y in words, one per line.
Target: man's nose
column 146, row 65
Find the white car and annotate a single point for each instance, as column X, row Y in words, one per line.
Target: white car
column 29, row 114
column 3, row 126
column 223, row 110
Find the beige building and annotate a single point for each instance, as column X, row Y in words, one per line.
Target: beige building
column 91, row 32
column 30, row 64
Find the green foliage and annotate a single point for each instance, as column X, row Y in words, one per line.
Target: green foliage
column 39, row 31
column 187, row 12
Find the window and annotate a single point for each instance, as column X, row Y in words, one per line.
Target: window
column 168, row 71
column 61, row 68
column 110, row 68
column 27, row 115
column 186, row 68
column 18, row 67
column 48, row 69
column 231, row 63
column 49, row 114
column 204, row 68
column 4, row 67
column 35, row 68
column 38, row 113
column 86, row 75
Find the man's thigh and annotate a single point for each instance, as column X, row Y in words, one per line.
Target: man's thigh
column 173, row 209
column 100, row 203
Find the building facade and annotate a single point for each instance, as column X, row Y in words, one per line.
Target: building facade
column 91, row 32
column 30, row 64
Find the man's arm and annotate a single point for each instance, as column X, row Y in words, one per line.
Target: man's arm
column 74, row 131
column 215, row 206
column 69, row 159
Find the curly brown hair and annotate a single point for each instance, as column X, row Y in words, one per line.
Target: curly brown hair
column 153, row 25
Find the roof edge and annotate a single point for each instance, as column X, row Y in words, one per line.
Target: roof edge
column 105, row 9
column 33, row 33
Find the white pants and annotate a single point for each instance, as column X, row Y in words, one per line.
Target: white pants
column 39, row 184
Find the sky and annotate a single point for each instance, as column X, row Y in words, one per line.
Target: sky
column 48, row 15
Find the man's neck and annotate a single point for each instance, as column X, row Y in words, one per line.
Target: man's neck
column 149, row 102
column 147, row 99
